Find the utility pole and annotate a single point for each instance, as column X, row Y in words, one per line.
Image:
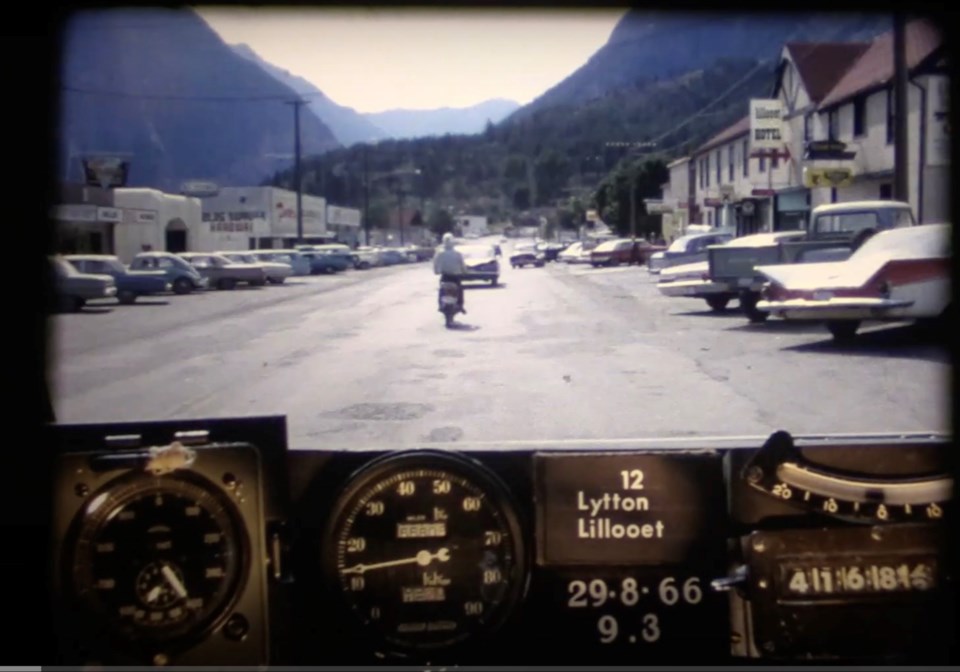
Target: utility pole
column 900, row 154
column 296, row 166
column 366, row 194
column 633, row 204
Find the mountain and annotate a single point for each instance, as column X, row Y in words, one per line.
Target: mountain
column 446, row 120
column 348, row 125
column 162, row 87
column 658, row 45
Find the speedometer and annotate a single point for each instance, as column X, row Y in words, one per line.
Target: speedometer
column 426, row 550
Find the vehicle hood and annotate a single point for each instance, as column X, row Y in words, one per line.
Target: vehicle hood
column 695, row 270
column 821, row 275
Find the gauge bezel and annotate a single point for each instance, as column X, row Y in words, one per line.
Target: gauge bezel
column 462, row 466
column 121, row 491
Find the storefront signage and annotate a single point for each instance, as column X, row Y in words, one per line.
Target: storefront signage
column 831, row 150
column 827, row 177
column 766, row 124
column 109, row 215
column 75, row 213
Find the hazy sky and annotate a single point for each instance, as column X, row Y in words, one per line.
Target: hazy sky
column 374, row 59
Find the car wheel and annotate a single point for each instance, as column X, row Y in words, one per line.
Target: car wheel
column 182, row 286
column 843, row 330
column 493, row 282
column 126, row 297
column 748, row 303
column 717, row 303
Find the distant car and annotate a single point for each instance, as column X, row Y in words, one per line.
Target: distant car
column 224, row 273
column 527, row 255
column 297, row 262
column 74, row 288
column 130, row 284
column 687, row 250
column 621, row 251
column 181, row 275
column 277, row 272
column 481, row 261
column 897, row 274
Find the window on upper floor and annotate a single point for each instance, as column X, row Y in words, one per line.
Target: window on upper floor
column 763, row 163
column 859, row 116
column 746, row 158
column 719, row 169
column 808, row 127
column 730, row 163
column 834, row 121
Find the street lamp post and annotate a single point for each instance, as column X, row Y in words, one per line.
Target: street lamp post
column 296, row 166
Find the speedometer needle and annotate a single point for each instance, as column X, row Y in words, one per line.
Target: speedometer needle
column 423, row 558
column 174, row 581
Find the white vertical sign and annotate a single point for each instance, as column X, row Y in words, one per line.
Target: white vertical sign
column 766, row 124
column 938, row 122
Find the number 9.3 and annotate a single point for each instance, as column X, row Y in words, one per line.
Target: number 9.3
column 609, row 629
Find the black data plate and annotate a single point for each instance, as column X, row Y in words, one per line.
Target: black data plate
column 848, row 592
column 611, row 508
column 635, row 615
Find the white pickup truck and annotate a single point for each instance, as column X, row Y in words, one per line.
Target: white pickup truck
column 834, row 231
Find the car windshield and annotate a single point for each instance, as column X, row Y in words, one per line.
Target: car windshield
column 680, row 244
column 548, row 117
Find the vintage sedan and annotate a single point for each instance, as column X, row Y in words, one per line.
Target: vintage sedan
column 73, row 288
column 527, row 255
column 130, row 284
column 898, row 274
column 223, row 273
column 622, row 251
column 277, row 272
column 297, row 262
column 481, row 262
column 687, row 250
column 693, row 281
column 183, row 277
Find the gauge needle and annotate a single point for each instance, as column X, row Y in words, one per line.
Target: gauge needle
column 423, row 558
column 174, row 581
column 154, row 594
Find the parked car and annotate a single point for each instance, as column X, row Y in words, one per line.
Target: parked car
column 321, row 262
column 130, row 284
column 367, row 257
column 835, row 230
column 621, row 251
column 687, row 250
column 481, row 261
column 181, row 275
column 74, row 288
column 577, row 253
column 297, row 262
column 277, row 273
column 527, row 255
column 898, row 274
column 338, row 250
column 225, row 274
column 550, row 251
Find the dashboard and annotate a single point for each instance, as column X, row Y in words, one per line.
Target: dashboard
column 210, row 542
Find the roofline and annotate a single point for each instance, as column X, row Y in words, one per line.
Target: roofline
column 709, row 146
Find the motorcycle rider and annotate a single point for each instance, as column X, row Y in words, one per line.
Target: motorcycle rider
column 449, row 265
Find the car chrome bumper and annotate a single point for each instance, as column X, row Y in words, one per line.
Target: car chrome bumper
column 693, row 288
column 843, row 308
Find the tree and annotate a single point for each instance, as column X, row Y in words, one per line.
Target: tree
column 440, row 222
column 521, row 198
column 379, row 216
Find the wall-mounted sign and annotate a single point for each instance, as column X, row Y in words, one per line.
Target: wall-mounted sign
column 766, row 124
column 105, row 171
column 831, row 150
column 109, row 215
column 75, row 213
column 827, row 177
column 199, row 188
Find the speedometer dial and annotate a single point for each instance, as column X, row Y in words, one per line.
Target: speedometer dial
column 426, row 550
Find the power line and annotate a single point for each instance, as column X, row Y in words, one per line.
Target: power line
column 214, row 99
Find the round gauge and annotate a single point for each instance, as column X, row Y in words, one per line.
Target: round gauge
column 158, row 559
column 426, row 550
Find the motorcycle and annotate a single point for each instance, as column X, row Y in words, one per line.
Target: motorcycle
column 449, row 300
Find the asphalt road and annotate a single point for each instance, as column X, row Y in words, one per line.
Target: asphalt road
column 362, row 360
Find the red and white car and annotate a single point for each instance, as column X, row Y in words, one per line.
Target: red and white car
column 899, row 274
